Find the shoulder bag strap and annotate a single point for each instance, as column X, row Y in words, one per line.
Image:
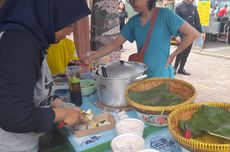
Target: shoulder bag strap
column 154, row 16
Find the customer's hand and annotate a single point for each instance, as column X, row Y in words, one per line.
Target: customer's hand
column 170, row 60
column 57, row 103
column 88, row 58
column 178, row 40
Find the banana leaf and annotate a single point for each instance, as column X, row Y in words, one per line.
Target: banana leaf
column 157, row 96
column 207, row 138
column 208, row 119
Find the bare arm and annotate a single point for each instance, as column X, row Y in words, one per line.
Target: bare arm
column 107, row 49
column 190, row 34
column 81, row 37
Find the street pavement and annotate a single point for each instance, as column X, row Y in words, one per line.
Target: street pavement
column 213, row 48
column 210, row 72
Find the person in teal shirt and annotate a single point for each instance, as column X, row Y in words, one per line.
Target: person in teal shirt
column 157, row 55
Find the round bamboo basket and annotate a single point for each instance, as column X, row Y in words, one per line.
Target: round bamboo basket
column 186, row 91
column 185, row 113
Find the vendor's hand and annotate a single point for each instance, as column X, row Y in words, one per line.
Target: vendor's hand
column 57, row 103
column 72, row 116
column 178, row 40
column 69, row 105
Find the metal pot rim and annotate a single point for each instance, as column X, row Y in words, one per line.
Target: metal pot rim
column 107, row 78
column 145, row 67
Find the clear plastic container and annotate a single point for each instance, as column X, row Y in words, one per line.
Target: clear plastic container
column 73, row 71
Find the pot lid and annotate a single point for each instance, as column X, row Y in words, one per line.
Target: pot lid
column 124, row 69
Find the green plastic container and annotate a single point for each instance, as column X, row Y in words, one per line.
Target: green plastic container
column 88, row 86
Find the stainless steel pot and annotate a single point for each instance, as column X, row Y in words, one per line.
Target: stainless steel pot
column 119, row 74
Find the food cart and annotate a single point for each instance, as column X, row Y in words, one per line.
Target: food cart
column 156, row 136
column 223, row 36
column 213, row 29
column 218, row 29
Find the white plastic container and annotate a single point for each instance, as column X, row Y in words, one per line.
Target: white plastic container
column 130, row 125
column 128, row 143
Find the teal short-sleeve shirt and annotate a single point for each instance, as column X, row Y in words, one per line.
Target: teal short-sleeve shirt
column 167, row 24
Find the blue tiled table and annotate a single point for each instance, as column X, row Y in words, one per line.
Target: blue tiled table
column 101, row 142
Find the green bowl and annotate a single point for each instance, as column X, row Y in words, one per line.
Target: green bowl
column 88, row 86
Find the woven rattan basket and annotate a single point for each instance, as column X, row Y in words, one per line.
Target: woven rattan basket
column 186, row 91
column 185, row 113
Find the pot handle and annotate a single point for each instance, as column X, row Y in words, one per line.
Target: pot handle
column 94, row 74
column 138, row 78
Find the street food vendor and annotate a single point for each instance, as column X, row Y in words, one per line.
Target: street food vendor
column 157, row 55
column 27, row 105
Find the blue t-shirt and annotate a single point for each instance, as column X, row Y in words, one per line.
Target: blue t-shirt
column 167, row 24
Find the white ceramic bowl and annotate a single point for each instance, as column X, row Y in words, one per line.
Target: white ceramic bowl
column 130, row 125
column 127, row 143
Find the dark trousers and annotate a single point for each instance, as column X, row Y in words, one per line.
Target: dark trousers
column 121, row 26
column 181, row 58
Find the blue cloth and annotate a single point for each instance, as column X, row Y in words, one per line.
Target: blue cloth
column 41, row 17
column 167, row 24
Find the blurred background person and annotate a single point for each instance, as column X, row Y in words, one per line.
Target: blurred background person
column 189, row 13
column 223, row 11
column 60, row 55
column 213, row 11
column 123, row 15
